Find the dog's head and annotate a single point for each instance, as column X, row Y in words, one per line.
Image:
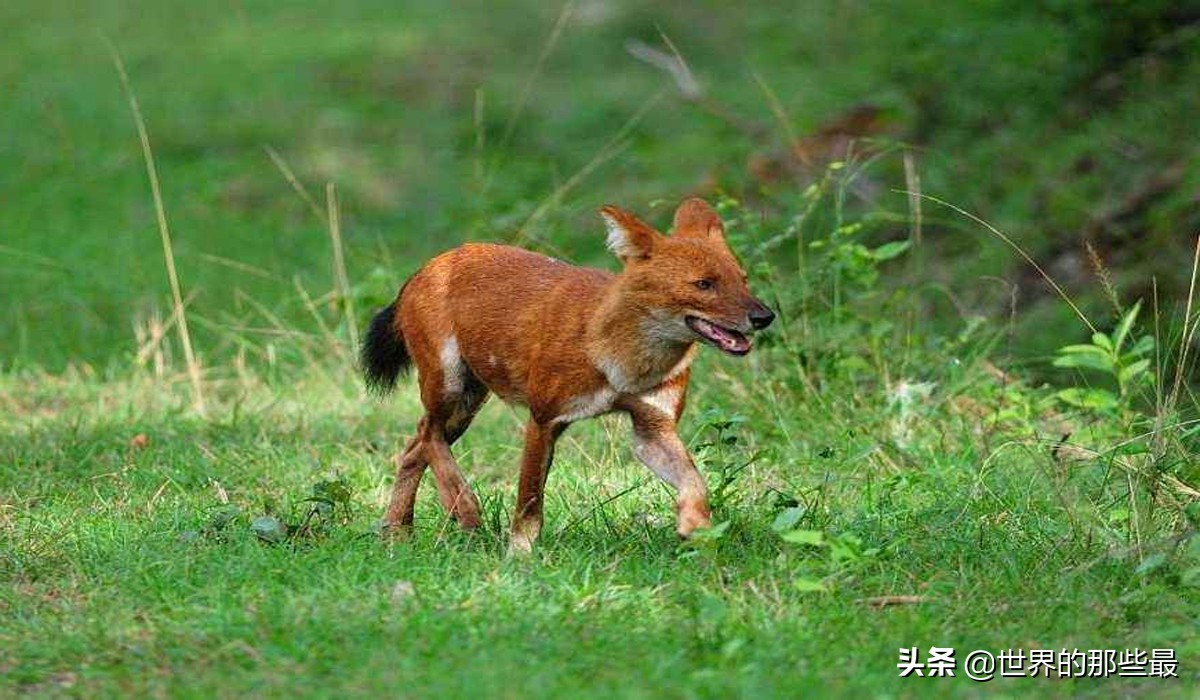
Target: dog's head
column 689, row 283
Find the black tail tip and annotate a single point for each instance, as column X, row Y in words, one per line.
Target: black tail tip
column 384, row 356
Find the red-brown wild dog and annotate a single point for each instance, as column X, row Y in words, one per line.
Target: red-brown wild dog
column 567, row 342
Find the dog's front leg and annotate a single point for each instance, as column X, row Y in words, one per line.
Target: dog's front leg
column 535, row 465
column 657, row 445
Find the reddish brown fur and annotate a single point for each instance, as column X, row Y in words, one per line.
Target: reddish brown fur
column 569, row 343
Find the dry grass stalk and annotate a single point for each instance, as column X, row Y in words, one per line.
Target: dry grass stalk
column 523, row 98
column 290, row 176
column 912, row 181
column 608, row 151
column 1019, row 250
column 339, row 262
column 185, row 338
column 1189, row 330
column 778, row 110
column 480, row 136
column 1102, row 274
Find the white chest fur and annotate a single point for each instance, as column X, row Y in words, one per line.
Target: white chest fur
column 664, row 399
column 588, row 405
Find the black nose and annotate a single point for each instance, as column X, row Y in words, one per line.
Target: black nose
column 761, row 317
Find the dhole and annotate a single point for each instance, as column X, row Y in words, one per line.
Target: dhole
column 567, row 342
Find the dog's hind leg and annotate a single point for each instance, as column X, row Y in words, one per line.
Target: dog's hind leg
column 432, row 446
column 410, row 467
column 456, row 495
column 452, row 395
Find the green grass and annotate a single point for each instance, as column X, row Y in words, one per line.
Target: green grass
column 871, row 419
column 118, row 580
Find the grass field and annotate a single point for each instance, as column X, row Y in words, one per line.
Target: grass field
column 900, row 462
column 128, row 574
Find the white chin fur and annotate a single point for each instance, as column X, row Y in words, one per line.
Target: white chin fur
column 669, row 328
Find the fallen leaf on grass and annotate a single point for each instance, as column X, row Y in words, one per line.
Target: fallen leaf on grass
column 402, row 591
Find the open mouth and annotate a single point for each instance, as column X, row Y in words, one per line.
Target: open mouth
column 724, row 339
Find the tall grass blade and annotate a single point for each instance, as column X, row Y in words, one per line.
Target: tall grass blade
column 1019, row 250
column 560, row 23
column 160, row 213
column 339, row 262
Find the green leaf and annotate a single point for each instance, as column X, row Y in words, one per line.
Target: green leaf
column 1135, row 447
column 269, row 529
column 1141, row 346
column 1192, row 550
column 220, row 516
column 814, row 538
column 1192, row 512
column 1081, row 361
column 846, row 547
column 709, row 534
column 1133, row 371
column 335, row 491
column 1085, row 349
column 1098, row 399
column 854, row 364
column 809, row 585
column 887, row 251
column 1150, row 563
column 787, row 519
column 1126, row 325
column 733, row 646
column 840, row 552
column 1102, row 341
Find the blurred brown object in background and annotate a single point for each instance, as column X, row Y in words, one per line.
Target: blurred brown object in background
column 838, row 139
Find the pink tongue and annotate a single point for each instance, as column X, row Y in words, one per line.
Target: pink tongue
column 726, row 341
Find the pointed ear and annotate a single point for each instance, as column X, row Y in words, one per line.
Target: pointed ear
column 695, row 218
column 629, row 237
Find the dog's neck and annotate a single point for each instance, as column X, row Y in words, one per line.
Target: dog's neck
column 632, row 344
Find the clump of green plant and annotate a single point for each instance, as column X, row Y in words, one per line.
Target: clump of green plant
column 821, row 256
column 1122, row 357
column 839, row 241
column 327, row 506
column 828, row 559
column 724, row 455
column 1147, row 441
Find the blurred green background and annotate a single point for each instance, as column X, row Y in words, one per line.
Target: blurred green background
column 1058, row 121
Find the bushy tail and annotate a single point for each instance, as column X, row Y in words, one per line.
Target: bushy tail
column 384, row 356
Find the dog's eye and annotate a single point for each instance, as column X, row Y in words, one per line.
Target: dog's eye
column 704, row 284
